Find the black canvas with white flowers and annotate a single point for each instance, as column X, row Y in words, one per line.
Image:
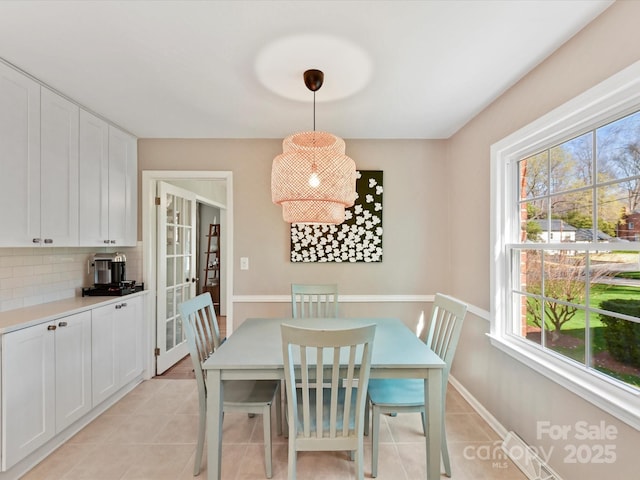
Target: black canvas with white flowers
column 357, row 239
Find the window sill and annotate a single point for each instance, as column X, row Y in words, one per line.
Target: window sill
column 617, row 400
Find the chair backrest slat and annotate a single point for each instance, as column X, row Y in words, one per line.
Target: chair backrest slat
column 319, row 382
column 306, row 404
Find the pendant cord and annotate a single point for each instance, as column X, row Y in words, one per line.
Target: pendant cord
column 313, row 165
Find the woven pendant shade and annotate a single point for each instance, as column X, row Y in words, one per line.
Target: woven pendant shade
column 313, row 180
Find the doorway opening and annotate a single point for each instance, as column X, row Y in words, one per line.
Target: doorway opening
column 214, row 193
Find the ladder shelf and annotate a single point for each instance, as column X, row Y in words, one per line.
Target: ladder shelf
column 212, row 266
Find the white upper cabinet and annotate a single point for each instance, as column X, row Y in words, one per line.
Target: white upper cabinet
column 123, row 188
column 59, row 130
column 19, row 158
column 108, row 184
column 38, row 164
column 69, row 177
column 94, row 180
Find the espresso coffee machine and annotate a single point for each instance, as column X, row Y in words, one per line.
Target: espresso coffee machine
column 110, row 276
column 109, row 268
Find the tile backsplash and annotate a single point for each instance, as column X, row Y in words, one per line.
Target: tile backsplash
column 31, row 276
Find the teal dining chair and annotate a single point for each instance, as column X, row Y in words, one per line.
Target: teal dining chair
column 390, row 396
column 331, row 417
column 314, row 301
column 250, row 396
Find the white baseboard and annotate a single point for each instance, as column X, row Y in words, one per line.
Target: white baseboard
column 534, row 467
column 479, row 408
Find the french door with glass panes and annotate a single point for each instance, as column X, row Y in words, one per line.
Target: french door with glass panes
column 176, row 269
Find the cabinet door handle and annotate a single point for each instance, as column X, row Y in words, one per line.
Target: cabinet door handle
column 112, row 241
column 62, row 324
column 193, row 280
column 118, row 306
column 51, row 327
column 106, row 241
column 36, row 240
column 48, row 240
column 123, row 304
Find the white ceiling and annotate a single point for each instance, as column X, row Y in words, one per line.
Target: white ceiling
column 211, row 69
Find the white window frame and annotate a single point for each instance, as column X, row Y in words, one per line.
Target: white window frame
column 615, row 97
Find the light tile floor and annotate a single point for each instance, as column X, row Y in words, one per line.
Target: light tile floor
column 150, row 435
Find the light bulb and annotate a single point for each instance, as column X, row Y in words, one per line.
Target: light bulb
column 314, row 180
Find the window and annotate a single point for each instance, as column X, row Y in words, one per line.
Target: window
column 566, row 281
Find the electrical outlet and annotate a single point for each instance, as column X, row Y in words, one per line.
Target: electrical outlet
column 244, row 263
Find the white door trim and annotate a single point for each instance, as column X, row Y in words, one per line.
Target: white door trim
column 148, row 208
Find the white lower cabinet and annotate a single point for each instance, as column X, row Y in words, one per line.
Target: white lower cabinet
column 46, row 383
column 73, row 369
column 54, row 374
column 117, row 346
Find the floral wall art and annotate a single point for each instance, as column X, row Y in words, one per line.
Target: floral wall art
column 357, row 239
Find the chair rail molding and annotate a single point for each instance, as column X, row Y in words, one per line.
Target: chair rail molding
column 341, row 298
column 477, row 311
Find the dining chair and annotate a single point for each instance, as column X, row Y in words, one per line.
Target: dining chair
column 250, row 396
column 314, row 301
column 390, row 396
column 327, row 418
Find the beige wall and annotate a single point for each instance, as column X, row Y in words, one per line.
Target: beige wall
column 415, row 218
column 516, row 395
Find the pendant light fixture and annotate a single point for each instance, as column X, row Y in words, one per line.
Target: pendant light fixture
column 312, row 179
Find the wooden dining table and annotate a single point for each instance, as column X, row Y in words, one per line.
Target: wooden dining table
column 254, row 351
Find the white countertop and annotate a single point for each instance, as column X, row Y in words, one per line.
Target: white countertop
column 25, row 317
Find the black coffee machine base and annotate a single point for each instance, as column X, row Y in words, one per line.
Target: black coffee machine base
column 113, row 289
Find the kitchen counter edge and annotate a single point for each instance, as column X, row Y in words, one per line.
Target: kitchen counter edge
column 20, row 318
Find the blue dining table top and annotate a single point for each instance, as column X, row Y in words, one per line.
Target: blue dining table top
column 257, row 344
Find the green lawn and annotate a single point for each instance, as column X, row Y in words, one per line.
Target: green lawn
column 599, row 293
column 576, row 329
column 631, row 275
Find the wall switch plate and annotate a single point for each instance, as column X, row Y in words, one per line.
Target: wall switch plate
column 244, row 263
